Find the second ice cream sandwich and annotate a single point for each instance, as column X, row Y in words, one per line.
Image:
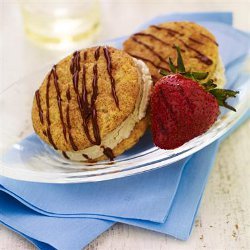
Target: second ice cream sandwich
column 156, row 44
column 92, row 104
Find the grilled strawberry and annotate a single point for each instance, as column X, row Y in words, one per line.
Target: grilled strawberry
column 182, row 108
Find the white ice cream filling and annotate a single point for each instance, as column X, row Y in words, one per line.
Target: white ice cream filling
column 219, row 74
column 124, row 130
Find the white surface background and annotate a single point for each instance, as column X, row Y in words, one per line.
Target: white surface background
column 223, row 221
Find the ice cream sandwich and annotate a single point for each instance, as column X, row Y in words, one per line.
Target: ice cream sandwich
column 156, row 44
column 92, row 104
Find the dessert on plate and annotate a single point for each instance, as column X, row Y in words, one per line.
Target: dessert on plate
column 185, row 102
column 199, row 49
column 92, row 104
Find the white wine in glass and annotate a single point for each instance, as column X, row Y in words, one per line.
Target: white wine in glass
column 61, row 24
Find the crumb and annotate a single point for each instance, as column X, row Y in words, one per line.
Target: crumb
column 197, row 223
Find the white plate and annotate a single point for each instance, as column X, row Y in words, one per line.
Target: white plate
column 25, row 157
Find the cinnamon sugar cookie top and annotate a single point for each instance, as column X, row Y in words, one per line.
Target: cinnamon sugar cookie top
column 155, row 45
column 84, row 97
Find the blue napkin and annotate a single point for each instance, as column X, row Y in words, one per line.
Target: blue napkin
column 123, row 198
column 164, row 200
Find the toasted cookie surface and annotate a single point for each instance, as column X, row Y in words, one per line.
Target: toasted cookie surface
column 156, row 44
column 84, row 97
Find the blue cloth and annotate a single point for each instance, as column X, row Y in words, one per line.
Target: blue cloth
column 123, row 198
column 164, row 200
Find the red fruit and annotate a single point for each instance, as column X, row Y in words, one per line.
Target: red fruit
column 181, row 110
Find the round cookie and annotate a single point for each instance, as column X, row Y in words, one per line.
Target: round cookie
column 85, row 97
column 155, row 45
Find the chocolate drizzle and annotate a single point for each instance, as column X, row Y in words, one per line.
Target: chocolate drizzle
column 47, row 113
column 93, row 100
column 86, row 157
column 51, row 139
column 108, row 152
column 83, row 103
column 150, row 48
column 147, row 60
column 109, row 69
column 170, row 31
column 75, row 63
column 59, row 100
column 209, row 38
column 38, row 103
column 153, row 37
column 74, row 69
column 195, row 41
column 154, row 77
column 65, row 155
column 199, row 56
column 75, row 148
column 68, row 96
column 88, row 111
